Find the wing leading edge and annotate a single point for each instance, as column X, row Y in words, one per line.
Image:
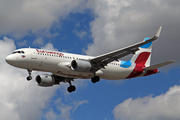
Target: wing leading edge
column 102, row 60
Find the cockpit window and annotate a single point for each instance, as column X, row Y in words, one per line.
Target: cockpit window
column 14, row 52
column 18, row 52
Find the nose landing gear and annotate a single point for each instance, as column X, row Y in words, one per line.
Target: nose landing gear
column 29, row 72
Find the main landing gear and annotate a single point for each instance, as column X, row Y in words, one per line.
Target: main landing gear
column 95, row 79
column 29, row 72
column 71, row 88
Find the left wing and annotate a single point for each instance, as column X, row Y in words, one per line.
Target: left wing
column 102, row 60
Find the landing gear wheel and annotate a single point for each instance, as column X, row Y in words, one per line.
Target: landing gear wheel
column 29, row 78
column 95, row 79
column 29, row 72
column 71, row 88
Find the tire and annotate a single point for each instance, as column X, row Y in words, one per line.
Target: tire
column 29, row 78
column 71, row 88
column 95, row 79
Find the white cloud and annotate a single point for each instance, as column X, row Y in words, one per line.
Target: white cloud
column 163, row 107
column 64, row 110
column 77, row 104
column 81, row 34
column 23, row 17
column 120, row 23
column 49, row 46
column 38, row 41
column 20, row 99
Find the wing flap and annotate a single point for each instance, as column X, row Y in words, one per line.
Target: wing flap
column 158, row 65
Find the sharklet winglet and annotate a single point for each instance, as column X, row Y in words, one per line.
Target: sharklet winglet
column 158, row 33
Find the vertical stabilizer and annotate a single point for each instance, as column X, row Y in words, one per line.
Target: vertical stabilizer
column 142, row 57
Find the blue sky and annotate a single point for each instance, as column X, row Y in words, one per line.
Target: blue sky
column 67, row 38
column 90, row 27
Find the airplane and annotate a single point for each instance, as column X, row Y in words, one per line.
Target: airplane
column 65, row 67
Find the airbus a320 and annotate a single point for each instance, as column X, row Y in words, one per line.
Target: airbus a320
column 66, row 67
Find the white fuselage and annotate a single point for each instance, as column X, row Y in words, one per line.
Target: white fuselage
column 58, row 63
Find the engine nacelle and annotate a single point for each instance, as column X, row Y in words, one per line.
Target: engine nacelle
column 80, row 65
column 45, row 80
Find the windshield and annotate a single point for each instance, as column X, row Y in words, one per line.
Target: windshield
column 22, row 52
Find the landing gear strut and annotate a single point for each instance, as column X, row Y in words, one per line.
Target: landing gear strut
column 71, row 88
column 29, row 72
column 95, row 79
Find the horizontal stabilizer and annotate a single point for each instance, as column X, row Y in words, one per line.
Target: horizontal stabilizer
column 158, row 65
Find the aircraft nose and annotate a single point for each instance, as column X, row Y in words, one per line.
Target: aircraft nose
column 9, row 59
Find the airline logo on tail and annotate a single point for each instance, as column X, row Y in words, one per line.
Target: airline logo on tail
column 142, row 59
column 139, row 64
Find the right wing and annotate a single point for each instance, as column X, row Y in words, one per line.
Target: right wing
column 102, row 60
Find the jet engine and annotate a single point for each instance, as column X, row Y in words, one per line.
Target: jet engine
column 80, row 65
column 45, row 80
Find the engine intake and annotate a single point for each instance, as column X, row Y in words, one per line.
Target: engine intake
column 45, row 80
column 80, row 65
